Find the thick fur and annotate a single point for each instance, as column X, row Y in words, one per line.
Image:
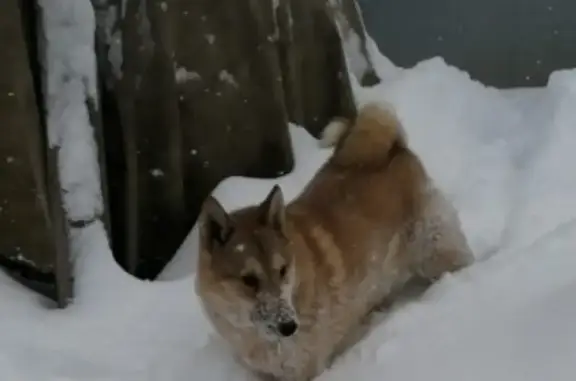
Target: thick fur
column 333, row 132
column 368, row 222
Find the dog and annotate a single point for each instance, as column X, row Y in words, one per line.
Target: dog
column 289, row 285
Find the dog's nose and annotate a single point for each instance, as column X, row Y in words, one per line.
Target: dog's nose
column 288, row 328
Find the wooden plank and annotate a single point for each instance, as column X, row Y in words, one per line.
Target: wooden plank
column 205, row 91
column 33, row 245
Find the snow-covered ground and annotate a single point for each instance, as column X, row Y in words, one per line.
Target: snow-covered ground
column 505, row 158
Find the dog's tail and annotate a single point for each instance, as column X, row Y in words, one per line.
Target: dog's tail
column 371, row 139
column 333, row 132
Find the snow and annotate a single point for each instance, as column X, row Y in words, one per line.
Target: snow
column 107, row 17
column 182, row 75
column 70, row 82
column 351, row 41
column 210, row 38
column 352, row 44
column 503, row 156
column 157, row 172
column 226, row 76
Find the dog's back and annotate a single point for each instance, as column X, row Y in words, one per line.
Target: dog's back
column 369, row 190
column 369, row 221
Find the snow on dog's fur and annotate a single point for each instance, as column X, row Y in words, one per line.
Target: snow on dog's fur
column 289, row 286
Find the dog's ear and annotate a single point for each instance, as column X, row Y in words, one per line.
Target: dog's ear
column 273, row 210
column 215, row 224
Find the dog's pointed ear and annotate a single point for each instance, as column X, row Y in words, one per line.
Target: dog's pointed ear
column 273, row 210
column 215, row 224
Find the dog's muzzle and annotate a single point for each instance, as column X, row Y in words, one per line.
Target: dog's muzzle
column 277, row 316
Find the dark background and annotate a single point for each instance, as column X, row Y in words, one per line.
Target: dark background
column 502, row 43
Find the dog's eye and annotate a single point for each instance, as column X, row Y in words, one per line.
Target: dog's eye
column 283, row 271
column 250, row 280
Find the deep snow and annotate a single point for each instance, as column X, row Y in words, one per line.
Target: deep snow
column 505, row 158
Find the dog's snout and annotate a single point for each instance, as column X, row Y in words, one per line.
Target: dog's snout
column 288, row 328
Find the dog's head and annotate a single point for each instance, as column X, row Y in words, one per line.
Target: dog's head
column 249, row 258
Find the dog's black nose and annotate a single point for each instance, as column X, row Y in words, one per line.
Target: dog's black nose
column 288, row 328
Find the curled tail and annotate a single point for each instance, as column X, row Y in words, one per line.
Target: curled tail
column 373, row 136
column 333, row 132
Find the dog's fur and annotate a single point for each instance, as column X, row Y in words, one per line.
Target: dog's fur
column 368, row 222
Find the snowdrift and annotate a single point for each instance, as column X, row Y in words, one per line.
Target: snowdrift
column 505, row 158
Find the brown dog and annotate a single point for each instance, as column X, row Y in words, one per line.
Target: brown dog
column 289, row 286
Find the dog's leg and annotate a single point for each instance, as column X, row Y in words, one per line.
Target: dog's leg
column 448, row 251
column 270, row 377
column 443, row 260
column 265, row 377
column 356, row 334
column 446, row 246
